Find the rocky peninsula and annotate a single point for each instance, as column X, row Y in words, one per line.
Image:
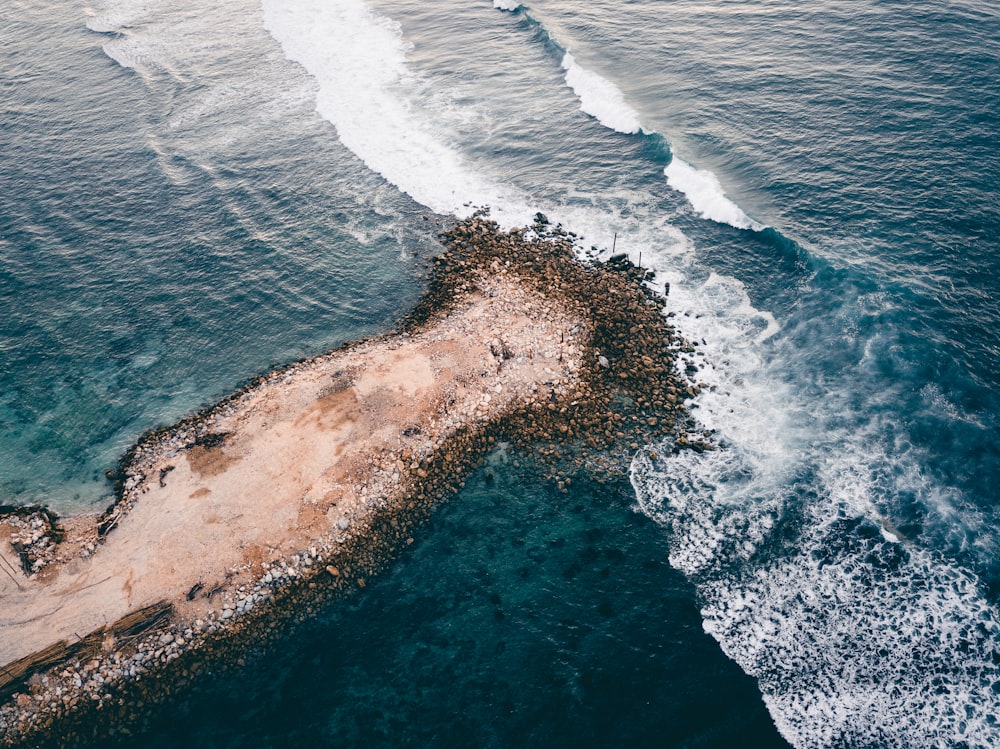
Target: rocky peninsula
column 241, row 519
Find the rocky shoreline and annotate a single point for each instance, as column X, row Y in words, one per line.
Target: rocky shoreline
column 595, row 383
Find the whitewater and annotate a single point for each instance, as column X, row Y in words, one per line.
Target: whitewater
column 801, row 181
column 865, row 640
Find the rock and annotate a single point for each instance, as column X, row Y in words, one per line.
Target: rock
column 642, row 398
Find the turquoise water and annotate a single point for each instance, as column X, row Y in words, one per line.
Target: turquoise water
column 152, row 261
column 193, row 193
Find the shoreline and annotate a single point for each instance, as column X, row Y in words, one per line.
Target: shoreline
column 606, row 386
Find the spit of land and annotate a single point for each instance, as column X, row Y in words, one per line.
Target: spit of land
column 308, row 479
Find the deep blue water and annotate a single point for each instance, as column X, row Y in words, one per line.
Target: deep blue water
column 519, row 617
column 192, row 193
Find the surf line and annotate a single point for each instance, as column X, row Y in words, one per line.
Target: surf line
column 603, row 100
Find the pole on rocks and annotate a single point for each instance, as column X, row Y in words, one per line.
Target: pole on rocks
column 613, row 243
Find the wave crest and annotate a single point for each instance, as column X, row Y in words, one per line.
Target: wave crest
column 704, row 191
column 600, row 98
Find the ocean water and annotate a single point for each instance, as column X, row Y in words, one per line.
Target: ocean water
column 193, row 192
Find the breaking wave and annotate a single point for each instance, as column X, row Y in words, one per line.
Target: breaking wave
column 358, row 60
column 855, row 633
column 600, row 98
column 705, row 193
column 605, row 102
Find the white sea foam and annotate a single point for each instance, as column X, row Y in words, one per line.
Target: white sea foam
column 906, row 643
column 358, row 59
column 704, row 191
column 857, row 635
column 604, row 101
column 856, row 638
column 600, row 98
column 853, row 637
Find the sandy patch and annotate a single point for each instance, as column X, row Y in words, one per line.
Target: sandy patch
column 327, row 443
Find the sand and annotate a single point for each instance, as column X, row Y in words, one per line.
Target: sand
column 301, row 457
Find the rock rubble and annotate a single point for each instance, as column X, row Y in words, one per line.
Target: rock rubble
column 593, row 382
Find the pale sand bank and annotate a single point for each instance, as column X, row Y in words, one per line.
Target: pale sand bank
column 328, row 442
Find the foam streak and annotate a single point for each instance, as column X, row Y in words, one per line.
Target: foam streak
column 705, row 193
column 600, row 98
column 358, row 59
